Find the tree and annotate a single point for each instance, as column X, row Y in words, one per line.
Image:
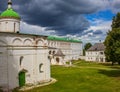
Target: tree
column 112, row 41
column 116, row 21
column 87, row 46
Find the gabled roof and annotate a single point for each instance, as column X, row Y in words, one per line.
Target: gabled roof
column 97, row 47
column 59, row 53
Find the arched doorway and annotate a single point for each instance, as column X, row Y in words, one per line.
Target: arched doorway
column 22, row 78
column 57, row 59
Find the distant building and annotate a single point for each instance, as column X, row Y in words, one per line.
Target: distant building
column 62, row 50
column 96, row 53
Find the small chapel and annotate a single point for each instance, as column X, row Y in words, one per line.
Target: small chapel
column 23, row 57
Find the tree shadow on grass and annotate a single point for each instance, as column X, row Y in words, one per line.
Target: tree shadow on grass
column 110, row 73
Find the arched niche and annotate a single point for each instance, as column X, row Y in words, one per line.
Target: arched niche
column 40, row 42
column 17, row 41
column 27, row 42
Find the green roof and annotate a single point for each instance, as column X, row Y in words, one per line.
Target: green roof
column 9, row 13
column 63, row 39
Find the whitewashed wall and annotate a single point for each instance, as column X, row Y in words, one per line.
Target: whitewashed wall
column 9, row 25
column 95, row 56
column 34, row 51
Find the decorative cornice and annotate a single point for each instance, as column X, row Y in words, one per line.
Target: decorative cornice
column 10, row 17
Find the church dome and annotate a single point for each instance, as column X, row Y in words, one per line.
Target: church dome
column 10, row 13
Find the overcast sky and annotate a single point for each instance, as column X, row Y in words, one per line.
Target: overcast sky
column 88, row 20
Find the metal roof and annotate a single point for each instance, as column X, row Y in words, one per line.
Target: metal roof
column 97, row 47
column 53, row 38
column 59, row 53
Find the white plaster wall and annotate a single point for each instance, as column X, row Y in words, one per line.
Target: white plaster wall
column 94, row 56
column 76, row 50
column 33, row 54
column 43, row 76
column 3, row 67
column 9, row 25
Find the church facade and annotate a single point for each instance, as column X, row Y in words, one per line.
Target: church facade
column 24, row 58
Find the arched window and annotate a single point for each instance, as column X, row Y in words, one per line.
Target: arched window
column 41, row 68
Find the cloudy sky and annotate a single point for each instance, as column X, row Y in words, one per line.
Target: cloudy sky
column 88, row 20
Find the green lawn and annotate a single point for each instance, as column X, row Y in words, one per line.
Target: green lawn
column 84, row 77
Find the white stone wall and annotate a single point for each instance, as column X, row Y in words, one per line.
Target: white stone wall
column 9, row 25
column 32, row 49
column 95, row 56
column 3, row 66
column 76, row 50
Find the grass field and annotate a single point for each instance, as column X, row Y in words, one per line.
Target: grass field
column 84, row 77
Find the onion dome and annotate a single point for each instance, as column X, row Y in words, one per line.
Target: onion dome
column 10, row 13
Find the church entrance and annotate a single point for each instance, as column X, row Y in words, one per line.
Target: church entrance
column 21, row 79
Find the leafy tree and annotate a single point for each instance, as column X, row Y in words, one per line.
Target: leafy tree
column 112, row 41
column 116, row 21
column 87, row 46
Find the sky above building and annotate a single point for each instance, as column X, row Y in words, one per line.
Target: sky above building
column 88, row 20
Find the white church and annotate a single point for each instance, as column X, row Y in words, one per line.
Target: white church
column 25, row 58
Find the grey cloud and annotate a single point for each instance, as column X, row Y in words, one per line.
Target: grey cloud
column 63, row 16
column 115, row 5
column 94, row 33
column 97, row 32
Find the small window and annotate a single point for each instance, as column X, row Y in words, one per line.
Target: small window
column 41, row 68
column 14, row 26
column 53, row 52
column 101, row 53
column 21, row 59
column 49, row 52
